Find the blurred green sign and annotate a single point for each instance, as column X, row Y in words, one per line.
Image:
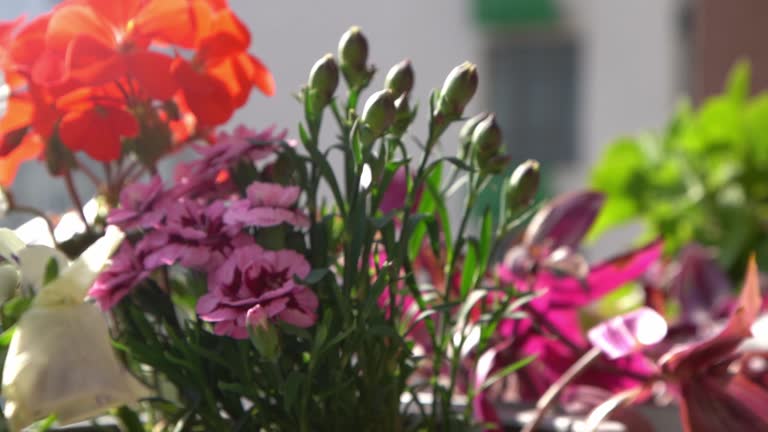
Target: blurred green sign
column 515, row 12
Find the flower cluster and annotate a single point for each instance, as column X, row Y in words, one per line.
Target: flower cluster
column 202, row 224
column 142, row 77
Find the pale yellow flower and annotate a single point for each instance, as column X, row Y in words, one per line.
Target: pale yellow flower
column 60, row 360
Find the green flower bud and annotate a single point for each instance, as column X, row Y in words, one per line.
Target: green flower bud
column 323, row 80
column 353, row 55
column 486, row 138
column 523, row 184
column 458, row 89
column 403, row 115
column 465, row 134
column 494, row 164
column 262, row 333
column 400, row 78
column 379, row 112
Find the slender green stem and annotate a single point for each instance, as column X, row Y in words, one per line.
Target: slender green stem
column 550, row 396
column 39, row 213
column 75, row 197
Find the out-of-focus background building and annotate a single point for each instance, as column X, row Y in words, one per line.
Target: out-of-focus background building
column 565, row 77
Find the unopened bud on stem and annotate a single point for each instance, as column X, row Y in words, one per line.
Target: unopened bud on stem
column 323, row 80
column 379, row 112
column 353, row 56
column 523, row 184
column 262, row 333
column 486, row 138
column 458, row 89
column 400, row 78
column 403, row 115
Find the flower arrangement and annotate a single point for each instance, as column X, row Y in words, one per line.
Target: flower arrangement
column 261, row 288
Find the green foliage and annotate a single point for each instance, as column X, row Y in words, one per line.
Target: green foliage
column 702, row 179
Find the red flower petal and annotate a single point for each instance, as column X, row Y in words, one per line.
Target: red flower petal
column 29, row 43
column 227, row 36
column 177, row 22
column 118, row 13
column 92, row 62
column 206, row 96
column 98, row 131
column 71, row 21
column 152, row 71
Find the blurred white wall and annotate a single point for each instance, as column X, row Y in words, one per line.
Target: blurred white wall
column 629, row 67
column 290, row 35
column 632, row 58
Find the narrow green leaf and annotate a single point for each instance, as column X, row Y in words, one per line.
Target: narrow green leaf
column 314, row 276
column 6, row 336
column 493, row 379
column 485, row 242
column 469, row 269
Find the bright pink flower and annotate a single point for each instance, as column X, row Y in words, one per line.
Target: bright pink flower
column 268, row 204
column 196, row 236
column 126, row 271
column 253, row 276
column 139, row 204
column 570, row 291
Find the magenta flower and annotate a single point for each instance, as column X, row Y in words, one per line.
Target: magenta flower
column 575, row 291
column 267, row 204
column 713, row 396
column 126, row 271
column 251, row 277
column 196, row 236
column 139, row 204
column 209, row 174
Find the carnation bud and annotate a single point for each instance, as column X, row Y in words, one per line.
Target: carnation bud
column 353, row 55
column 323, row 80
column 495, row 164
column 458, row 89
column 486, row 138
column 523, row 184
column 465, row 134
column 400, row 78
column 262, row 333
column 379, row 112
column 403, row 115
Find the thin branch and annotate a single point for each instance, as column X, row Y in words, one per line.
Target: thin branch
column 73, row 195
column 39, row 213
column 550, row 396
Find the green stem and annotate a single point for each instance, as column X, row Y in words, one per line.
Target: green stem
column 75, row 197
column 550, row 396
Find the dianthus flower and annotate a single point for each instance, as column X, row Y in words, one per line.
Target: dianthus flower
column 255, row 277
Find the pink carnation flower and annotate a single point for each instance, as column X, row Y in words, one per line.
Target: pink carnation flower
column 207, row 175
column 268, row 204
column 196, row 236
column 126, row 271
column 139, row 204
column 253, row 277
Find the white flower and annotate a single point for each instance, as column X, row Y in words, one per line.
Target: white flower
column 60, row 360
